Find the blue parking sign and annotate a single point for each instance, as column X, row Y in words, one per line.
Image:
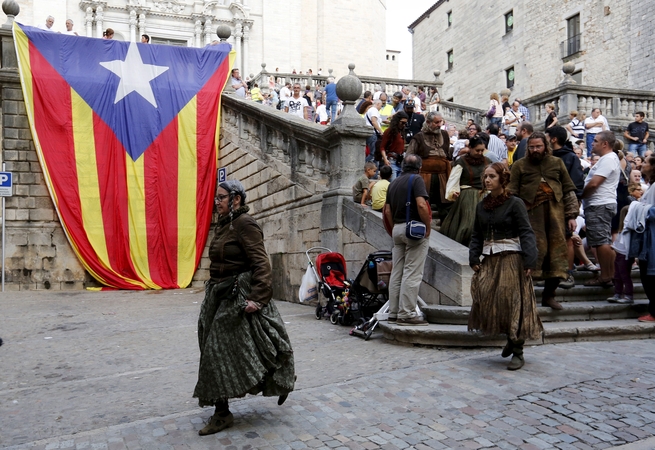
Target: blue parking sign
column 222, row 174
column 6, row 184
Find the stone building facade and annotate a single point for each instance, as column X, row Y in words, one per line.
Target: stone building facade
column 290, row 34
column 483, row 47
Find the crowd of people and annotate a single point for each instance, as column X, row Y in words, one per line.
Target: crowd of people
column 106, row 34
column 320, row 104
column 540, row 203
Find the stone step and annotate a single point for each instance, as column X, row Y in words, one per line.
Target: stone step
column 584, row 275
column 442, row 335
column 581, row 293
column 577, row 311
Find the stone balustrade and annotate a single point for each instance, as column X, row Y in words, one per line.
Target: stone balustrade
column 388, row 85
column 459, row 114
column 617, row 105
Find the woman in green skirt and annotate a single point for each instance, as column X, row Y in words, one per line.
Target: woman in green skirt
column 244, row 347
column 501, row 288
column 465, row 187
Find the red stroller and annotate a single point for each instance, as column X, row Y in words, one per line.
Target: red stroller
column 332, row 283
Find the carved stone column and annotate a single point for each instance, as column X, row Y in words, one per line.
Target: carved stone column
column 100, row 15
column 208, row 31
column 238, row 34
column 133, row 26
column 142, row 26
column 88, row 21
column 246, row 48
column 197, row 34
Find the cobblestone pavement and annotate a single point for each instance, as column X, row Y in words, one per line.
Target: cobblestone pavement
column 115, row 370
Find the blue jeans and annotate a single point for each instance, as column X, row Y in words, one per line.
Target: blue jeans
column 497, row 120
column 395, row 169
column 590, row 140
column 332, row 109
column 637, row 149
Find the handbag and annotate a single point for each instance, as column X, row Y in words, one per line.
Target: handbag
column 413, row 229
column 491, row 112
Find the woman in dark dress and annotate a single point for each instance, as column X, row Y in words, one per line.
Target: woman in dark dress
column 465, row 187
column 503, row 295
column 551, row 119
column 244, row 347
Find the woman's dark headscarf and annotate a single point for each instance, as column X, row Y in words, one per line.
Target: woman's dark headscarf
column 234, row 187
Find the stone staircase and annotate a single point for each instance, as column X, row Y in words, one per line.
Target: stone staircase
column 587, row 316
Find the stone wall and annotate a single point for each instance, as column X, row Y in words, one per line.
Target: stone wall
column 615, row 47
column 38, row 255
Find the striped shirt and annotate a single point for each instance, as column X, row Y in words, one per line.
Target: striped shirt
column 525, row 111
column 497, row 147
column 578, row 127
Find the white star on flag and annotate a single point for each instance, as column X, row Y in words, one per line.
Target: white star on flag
column 135, row 75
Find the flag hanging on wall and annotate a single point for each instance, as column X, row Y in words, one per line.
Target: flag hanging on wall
column 127, row 137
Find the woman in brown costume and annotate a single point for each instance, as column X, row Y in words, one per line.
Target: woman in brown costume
column 244, row 347
column 502, row 291
column 465, row 188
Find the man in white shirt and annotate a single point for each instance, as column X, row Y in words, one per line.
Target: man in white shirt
column 238, row 84
column 285, row 94
column 69, row 28
column 296, row 104
column 513, row 118
column 49, row 22
column 594, row 125
column 374, row 120
column 599, row 203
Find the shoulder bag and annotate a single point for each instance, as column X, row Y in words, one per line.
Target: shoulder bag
column 413, row 229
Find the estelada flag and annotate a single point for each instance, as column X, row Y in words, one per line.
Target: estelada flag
column 127, row 137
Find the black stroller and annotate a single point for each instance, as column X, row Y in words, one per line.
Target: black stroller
column 370, row 292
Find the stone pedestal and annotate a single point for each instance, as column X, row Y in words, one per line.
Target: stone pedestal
column 349, row 132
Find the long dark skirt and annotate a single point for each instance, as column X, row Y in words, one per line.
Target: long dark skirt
column 503, row 299
column 458, row 226
column 240, row 353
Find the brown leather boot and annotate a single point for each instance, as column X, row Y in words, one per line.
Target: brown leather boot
column 517, row 359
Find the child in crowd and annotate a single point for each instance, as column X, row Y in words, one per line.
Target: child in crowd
column 379, row 189
column 360, row 189
column 623, row 287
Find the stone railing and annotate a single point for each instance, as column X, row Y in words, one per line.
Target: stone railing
column 296, row 148
column 459, row 114
column 388, row 85
column 617, row 105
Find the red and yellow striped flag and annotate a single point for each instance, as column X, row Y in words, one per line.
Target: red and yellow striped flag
column 127, row 137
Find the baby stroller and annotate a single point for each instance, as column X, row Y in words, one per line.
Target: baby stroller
column 370, row 291
column 330, row 272
column 371, row 286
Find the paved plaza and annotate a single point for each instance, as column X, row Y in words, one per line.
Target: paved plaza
column 115, row 370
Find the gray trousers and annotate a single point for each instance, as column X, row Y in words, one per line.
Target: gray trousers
column 407, row 273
